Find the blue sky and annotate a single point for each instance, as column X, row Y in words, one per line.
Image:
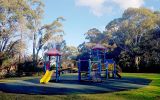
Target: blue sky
column 82, row 15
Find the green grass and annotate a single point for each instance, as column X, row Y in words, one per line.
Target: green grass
column 13, row 79
column 150, row 92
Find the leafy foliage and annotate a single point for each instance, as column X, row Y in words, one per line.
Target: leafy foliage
column 136, row 33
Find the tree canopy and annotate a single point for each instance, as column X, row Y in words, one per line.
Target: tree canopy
column 137, row 33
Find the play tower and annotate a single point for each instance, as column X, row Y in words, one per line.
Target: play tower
column 52, row 54
column 97, row 62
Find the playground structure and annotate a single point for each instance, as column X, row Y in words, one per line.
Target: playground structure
column 52, row 66
column 92, row 68
column 47, row 65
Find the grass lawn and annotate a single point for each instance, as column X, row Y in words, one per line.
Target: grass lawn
column 150, row 92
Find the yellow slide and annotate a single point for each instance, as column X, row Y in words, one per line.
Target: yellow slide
column 46, row 77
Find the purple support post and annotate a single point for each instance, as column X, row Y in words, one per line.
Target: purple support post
column 57, row 69
column 106, row 69
column 79, row 70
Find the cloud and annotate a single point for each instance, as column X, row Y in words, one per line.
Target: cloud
column 101, row 7
column 124, row 4
column 95, row 6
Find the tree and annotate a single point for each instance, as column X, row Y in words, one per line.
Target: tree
column 70, row 52
column 133, row 30
column 41, row 34
column 45, row 34
column 93, row 35
column 14, row 17
column 14, row 21
column 11, row 17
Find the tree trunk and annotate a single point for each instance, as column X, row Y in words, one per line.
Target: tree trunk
column 34, row 46
column 37, row 55
column 5, row 43
column 137, row 62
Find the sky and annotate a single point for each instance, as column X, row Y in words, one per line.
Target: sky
column 82, row 15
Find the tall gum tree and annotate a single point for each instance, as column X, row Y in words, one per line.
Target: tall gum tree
column 132, row 30
column 14, row 21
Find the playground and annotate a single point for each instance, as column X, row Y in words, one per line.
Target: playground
column 132, row 86
column 97, row 74
column 79, row 50
column 69, row 85
column 96, row 68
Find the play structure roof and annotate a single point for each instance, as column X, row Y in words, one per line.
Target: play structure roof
column 53, row 52
column 99, row 47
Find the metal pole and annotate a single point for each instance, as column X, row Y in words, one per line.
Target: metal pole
column 79, row 70
column 104, row 55
column 56, row 68
column 100, row 66
column 49, row 62
column 98, row 54
column 89, row 69
column 59, row 65
column 45, row 57
column 114, row 69
column 106, row 69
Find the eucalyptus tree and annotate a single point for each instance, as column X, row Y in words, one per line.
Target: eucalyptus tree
column 133, row 30
column 47, row 33
column 14, row 17
column 94, row 36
